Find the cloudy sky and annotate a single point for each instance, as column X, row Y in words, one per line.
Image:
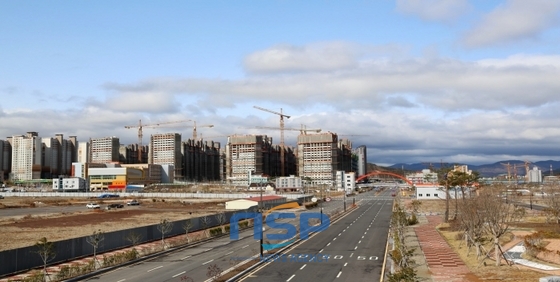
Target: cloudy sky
column 413, row 80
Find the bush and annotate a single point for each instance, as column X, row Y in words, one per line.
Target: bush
column 154, row 200
column 216, row 231
column 412, row 219
column 226, row 228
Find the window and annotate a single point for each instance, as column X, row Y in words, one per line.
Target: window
column 427, row 195
column 435, row 195
column 419, row 195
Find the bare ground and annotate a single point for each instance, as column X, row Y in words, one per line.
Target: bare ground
column 25, row 231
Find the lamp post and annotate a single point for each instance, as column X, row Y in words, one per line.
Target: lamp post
column 261, row 208
column 531, row 199
column 322, row 187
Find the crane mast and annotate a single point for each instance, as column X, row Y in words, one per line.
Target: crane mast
column 282, row 147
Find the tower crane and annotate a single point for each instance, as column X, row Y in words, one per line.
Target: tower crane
column 508, row 166
column 194, row 128
column 140, row 127
column 281, row 134
column 301, row 130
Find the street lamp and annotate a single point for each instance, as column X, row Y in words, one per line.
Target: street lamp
column 261, row 209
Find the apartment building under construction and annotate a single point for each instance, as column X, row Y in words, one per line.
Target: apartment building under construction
column 320, row 156
column 250, row 153
column 202, row 160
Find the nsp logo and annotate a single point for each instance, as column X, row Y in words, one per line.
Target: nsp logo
column 270, row 219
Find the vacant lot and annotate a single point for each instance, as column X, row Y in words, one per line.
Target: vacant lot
column 26, row 230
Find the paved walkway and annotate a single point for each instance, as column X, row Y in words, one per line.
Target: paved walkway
column 435, row 259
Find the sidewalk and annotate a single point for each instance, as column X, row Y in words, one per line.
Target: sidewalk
column 434, row 259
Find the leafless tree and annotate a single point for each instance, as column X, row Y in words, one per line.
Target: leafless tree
column 187, row 225
column 552, row 201
column 45, row 250
column 96, row 240
column 497, row 216
column 205, row 222
column 471, row 220
column 221, row 218
column 134, row 238
column 164, row 227
column 214, row 272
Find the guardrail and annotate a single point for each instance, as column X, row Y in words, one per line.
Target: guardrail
column 146, row 195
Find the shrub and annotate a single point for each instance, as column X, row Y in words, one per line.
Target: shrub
column 412, row 219
column 154, row 200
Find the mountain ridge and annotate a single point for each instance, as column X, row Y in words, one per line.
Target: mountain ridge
column 488, row 170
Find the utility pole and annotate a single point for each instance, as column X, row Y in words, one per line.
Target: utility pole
column 261, row 204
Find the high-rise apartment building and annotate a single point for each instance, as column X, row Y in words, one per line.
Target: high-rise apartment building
column 318, row 157
column 128, row 154
column 165, row 149
column 83, row 152
column 361, row 160
column 5, row 159
column 26, row 157
column 535, row 175
column 104, row 150
column 58, row 155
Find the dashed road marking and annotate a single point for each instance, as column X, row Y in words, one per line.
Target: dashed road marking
column 178, row 274
column 155, row 268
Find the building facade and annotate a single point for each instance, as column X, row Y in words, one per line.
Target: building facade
column 69, row 184
column 201, row 160
column 318, row 157
column 361, row 160
column 104, row 150
column 5, row 160
column 58, row 155
column 26, row 157
column 249, row 154
column 290, row 183
column 535, row 175
column 165, row 149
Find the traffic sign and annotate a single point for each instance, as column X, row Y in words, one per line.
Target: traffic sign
column 328, row 199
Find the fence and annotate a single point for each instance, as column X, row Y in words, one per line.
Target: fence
column 145, row 195
column 17, row 260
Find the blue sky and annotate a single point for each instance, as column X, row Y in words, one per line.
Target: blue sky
column 424, row 81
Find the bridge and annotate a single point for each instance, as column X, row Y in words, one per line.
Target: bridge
column 377, row 172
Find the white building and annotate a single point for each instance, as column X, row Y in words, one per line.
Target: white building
column 430, row 192
column 345, row 181
column 82, row 154
column 535, row 175
column 26, row 157
column 361, row 153
column 267, row 201
column 426, row 176
column 71, row 184
column 289, row 183
column 165, row 149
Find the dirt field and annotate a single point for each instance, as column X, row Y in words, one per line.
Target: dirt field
column 26, row 230
column 486, row 271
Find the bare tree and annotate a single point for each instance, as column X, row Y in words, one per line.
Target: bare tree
column 187, row 225
column 45, row 250
column 552, row 201
column 205, row 222
column 472, row 223
column 95, row 240
column 221, row 218
column 164, row 227
column 497, row 216
column 214, row 272
column 134, row 238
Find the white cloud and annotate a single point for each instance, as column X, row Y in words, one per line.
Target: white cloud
column 433, row 10
column 314, row 57
column 513, row 21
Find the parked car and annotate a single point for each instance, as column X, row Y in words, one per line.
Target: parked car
column 115, row 206
column 132, row 203
column 93, row 206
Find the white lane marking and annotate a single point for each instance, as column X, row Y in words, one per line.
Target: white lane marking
column 121, row 280
column 302, row 267
column 359, row 241
column 229, row 253
column 208, row 261
column 362, row 237
column 321, row 251
column 290, row 278
column 328, row 244
column 355, row 247
column 245, row 246
column 334, row 239
column 340, row 272
column 178, row 274
column 185, row 258
column 155, row 268
column 351, row 254
column 345, row 264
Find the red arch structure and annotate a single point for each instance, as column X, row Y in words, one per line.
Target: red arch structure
column 376, row 172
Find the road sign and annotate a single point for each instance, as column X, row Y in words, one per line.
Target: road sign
column 328, row 199
column 314, row 200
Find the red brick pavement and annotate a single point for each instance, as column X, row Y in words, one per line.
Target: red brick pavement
column 443, row 263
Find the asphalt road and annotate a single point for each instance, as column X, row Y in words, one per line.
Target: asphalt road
column 191, row 264
column 351, row 249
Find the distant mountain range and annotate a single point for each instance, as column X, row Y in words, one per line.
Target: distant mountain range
column 488, row 170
